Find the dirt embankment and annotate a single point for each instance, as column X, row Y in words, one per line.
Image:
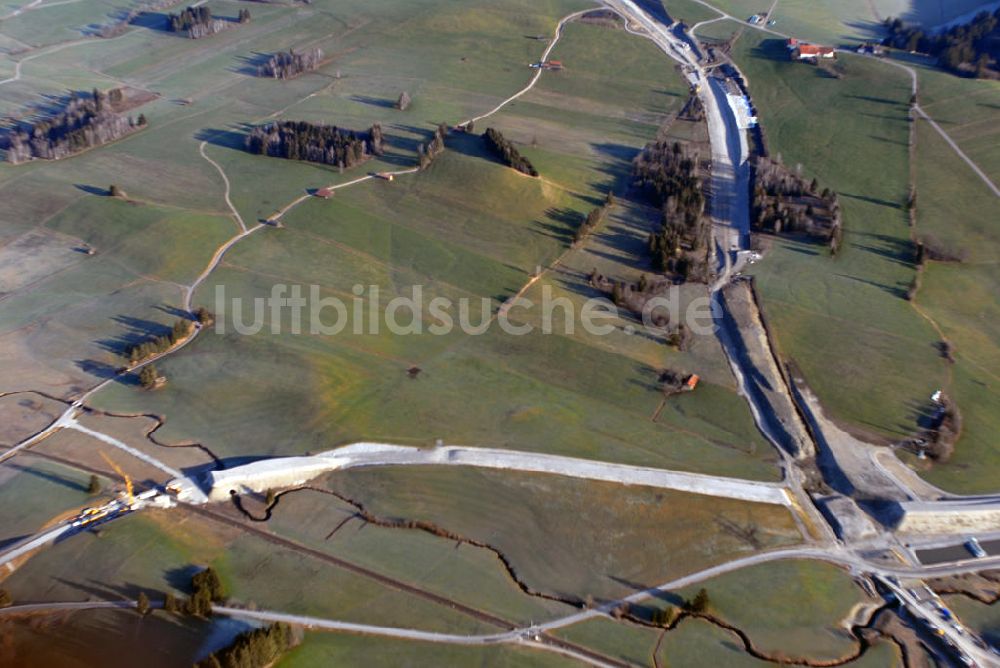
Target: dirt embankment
column 983, row 587
column 752, row 348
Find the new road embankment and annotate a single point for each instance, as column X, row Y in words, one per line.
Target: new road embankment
column 287, row 471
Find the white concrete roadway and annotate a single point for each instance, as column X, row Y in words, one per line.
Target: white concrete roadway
column 110, row 440
column 283, row 471
column 33, row 543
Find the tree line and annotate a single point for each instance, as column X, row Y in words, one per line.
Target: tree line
column 291, row 63
column 198, row 22
column 315, row 142
column 634, row 296
column 593, row 218
column 944, row 430
column 504, row 149
column 669, row 175
column 972, row 49
column 784, row 202
column 256, row 648
column 84, row 122
column 426, row 154
column 155, row 345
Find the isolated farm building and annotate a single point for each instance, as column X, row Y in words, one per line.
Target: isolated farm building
column 805, row 51
column 324, row 193
column 691, row 382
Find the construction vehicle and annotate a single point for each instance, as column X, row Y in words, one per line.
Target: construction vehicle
column 129, row 491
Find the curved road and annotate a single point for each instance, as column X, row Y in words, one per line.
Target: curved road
column 838, row 557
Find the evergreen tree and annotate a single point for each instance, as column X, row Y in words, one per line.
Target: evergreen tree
column 968, row 49
column 142, row 604
column 208, row 580
column 325, row 144
column 256, row 648
column 501, row 147
column 699, row 604
column 148, row 376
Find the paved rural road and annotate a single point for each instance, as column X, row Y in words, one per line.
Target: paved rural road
column 138, row 454
column 840, row 557
column 33, row 543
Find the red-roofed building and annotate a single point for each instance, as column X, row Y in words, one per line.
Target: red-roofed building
column 803, row 51
column 324, row 193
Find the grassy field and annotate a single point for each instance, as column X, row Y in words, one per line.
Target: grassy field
column 161, row 170
column 158, row 551
column 845, row 320
column 633, row 536
column 22, row 415
column 689, row 12
column 320, row 650
column 981, row 619
column 465, row 228
column 619, row 640
column 837, row 22
column 693, row 642
column 112, row 638
column 797, row 609
column 791, row 609
column 960, row 299
column 966, row 109
column 34, row 492
column 465, row 573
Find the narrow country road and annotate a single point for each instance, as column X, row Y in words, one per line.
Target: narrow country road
column 838, row 557
column 225, row 181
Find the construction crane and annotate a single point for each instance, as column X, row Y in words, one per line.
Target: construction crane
column 128, row 480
